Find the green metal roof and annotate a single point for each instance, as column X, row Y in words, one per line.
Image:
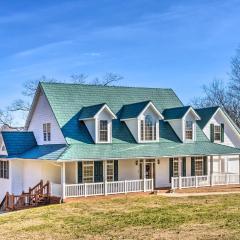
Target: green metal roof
column 133, row 110
column 84, row 151
column 175, row 113
column 46, row 152
column 67, row 100
column 18, row 142
column 90, row 111
column 118, row 151
column 205, row 114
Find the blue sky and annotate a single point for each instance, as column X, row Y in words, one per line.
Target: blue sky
column 174, row 44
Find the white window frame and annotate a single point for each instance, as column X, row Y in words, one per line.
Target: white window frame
column 87, row 178
column 175, row 165
column 105, row 130
column 4, row 169
column 188, row 129
column 47, row 132
column 110, row 170
column 217, row 132
column 143, row 127
column 199, row 172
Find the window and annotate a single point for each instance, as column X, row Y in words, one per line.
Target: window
column 4, row 169
column 199, row 166
column 217, row 133
column 148, row 129
column 103, row 131
column 175, row 167
column 88, row 170
column 3, row 148
column 47, row 132
column 110, row 171
column 189, row 130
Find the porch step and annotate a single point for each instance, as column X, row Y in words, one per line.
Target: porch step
column 162, row 190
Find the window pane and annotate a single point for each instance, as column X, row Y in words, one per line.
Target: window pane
column 110, row 171
column 198, row 166
column 217, row 133
column 47, row 132
column 189, row 130
column 103, row 131
column 88, row 170
column 4, row 169
column 175, row 167
column 142, row 130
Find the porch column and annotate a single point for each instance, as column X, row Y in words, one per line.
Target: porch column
column 211, row 170
column 63, row 179
column 144, row 175
column 105, row 176
column 180, row 173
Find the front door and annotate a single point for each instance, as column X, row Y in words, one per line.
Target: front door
column 149, row 170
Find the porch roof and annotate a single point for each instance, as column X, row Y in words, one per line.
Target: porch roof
column 80, row 152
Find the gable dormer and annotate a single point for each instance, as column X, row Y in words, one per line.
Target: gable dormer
column 142, row 119
column 183, row 121
column 219, row 127
column 98, row 120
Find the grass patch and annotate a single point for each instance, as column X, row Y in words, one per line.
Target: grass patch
column 132, row 217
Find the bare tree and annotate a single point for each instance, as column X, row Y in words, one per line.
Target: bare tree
column 29, row 88
column 227, row 95
column 214, row 94
column 79, row 78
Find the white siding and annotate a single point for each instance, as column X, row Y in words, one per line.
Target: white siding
column 71, row 173
column 5, row 186
column 177, row 126
column 43, row 114
column 27, row 174
column 128, row 170
column 90, row 124
column 162, row 173
column 132, row 125
column 231, row 137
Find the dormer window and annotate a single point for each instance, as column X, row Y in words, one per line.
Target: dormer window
column 217, row 133
column 142, row 119
column 189, row 130
column 103, row 131
column 47, row 132
column 98, row 120
column 148, row 129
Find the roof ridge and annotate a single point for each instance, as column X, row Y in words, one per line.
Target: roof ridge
column 94, row 85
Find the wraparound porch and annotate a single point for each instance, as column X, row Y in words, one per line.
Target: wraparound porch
column 90, row 178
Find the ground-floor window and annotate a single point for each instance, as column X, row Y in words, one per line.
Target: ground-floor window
column 199, row 166
column 175, row 167
column 110, row 171
column 88, row 172
column 4, row 169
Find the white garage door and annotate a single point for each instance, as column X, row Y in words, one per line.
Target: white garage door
column 233, row 165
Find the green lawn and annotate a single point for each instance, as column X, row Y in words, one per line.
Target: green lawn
column 129, row 217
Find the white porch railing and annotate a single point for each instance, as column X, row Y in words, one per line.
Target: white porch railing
column 95, row 189
column 204, row 181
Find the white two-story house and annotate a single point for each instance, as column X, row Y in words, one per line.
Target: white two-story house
column 95, row 140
